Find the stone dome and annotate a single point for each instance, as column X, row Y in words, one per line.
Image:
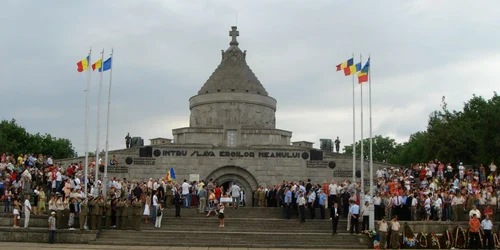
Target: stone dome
column 233, row 73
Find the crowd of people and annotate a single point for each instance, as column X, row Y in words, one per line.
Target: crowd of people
column 431, row 191
column 50, row 188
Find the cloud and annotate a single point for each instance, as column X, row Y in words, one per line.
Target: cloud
column 166, row 50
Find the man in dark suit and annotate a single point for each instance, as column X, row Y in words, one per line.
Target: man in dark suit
column 178, row 202
column 272, row 196
column 334, row 217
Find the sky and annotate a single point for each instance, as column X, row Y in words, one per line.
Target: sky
column 164, row 51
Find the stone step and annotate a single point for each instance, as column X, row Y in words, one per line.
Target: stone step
column 220, row 237
column 207, row 223
column 9, row 234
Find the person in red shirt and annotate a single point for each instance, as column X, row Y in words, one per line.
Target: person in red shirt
column 474, row 225
column 70, row 171
column 488, row 211
column 423, row 172
column 218, row 192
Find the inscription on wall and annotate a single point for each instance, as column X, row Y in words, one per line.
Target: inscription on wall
column 141, row 161
column 316, row 164
column 116, row 169
column 342, row 173
column 232, row 154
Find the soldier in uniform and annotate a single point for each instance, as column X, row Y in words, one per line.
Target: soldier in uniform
column 84, row 211
column 118, row 213
column 262, row 197
column 107, row 211
column 100, row 212
column 94, row 212
column 137, row 212
column 169, row 195
column 124, row 212
column 59, row 212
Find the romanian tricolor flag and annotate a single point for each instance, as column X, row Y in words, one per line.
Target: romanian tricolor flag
column 352, row 69
column 170, row 174
column 97, row 65
column 345, row 64
column 83, row 64
column 363, row 74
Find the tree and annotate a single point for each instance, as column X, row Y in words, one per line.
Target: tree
column 470, row 135
column 385, row 149
column 14, row 139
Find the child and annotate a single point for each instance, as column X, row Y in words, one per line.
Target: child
column 52, row 227
column 221, row 214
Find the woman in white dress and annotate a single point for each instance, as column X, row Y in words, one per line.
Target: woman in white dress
column 147, row 206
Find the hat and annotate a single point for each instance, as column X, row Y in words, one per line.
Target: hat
column 53, row 213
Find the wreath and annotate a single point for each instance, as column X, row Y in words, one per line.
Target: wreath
column 433, row 241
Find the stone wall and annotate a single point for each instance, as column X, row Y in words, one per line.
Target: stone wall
column 42, row 235
column 218, row 114
column 269, row 165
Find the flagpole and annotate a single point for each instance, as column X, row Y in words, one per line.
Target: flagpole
column 362, row 153
column 87, row 125
column 372, row 208
column 353, row 130
column 98, row 123
column 106, row 160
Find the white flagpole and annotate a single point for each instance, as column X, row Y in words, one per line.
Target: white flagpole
column 372, row 208
column 353, row 130
column 98, row 123
column 362, row 153
column 87, row 124
column 106, row 159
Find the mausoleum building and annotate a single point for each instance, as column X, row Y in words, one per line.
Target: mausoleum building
column 232, row 137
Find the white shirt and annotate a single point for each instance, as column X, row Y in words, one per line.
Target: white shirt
column 438, row 202
column 427, row 203
column 312, row 197
column 486, row 224
column 332, row 188
column 377, row 201
column 476, row 212
column 301, row 201
column 185, row 188
column 155, row 186
column 414, row 202
column 58, row 176
column 155, row 200
column 383, row 227
column 235, row 191
column 461, row 168
column 365, row 211
column 493, row 168
column 380, row 173
column 27, row 206
column 397, row 201
column 395, row 226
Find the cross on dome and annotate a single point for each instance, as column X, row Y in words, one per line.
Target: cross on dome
column 234, row 33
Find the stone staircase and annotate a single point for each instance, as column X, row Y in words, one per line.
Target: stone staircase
column 245, row 227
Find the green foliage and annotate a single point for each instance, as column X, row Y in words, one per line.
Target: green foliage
column 14, row 139
column 471, row 135
column 385, row 149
